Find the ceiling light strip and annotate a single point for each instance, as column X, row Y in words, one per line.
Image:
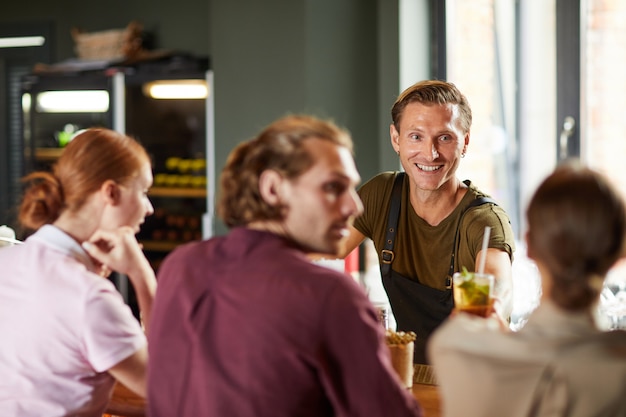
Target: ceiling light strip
column 22, row 41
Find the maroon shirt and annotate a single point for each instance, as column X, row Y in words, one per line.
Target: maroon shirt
column 246, row 325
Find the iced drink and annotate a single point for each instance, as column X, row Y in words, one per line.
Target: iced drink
column 472, row 293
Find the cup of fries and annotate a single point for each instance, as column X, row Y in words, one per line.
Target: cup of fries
column 401, row 349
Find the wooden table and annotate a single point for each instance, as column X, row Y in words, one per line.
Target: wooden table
column 428, row 397
column 125, row 403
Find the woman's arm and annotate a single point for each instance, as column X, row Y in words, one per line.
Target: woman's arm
column 119, row 250
column 132, row 371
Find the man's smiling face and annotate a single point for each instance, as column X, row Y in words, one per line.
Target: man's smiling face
column 430, row 143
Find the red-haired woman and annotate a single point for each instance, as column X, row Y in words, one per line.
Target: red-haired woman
column 66, row 334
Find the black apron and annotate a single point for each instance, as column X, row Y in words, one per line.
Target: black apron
column 416, row 307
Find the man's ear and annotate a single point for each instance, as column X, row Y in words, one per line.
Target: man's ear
column 270, row 187
column 110, row 192
column 395, row 138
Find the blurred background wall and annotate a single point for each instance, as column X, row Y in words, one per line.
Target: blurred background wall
column 334, row 59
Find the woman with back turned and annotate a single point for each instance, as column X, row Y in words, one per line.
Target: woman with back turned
column 560, row 363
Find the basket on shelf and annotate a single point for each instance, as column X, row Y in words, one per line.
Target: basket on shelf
column 108, row 44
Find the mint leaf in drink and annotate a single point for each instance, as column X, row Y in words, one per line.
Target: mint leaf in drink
column 473, row 293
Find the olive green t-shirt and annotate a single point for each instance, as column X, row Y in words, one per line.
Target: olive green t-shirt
column 423, row 252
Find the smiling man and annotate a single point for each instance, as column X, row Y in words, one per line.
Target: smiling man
column 245, row 324
column 440, row 220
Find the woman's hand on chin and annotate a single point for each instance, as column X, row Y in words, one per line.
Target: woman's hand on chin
column 117, row 250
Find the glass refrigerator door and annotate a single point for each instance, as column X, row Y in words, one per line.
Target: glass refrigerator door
column 55, row 108
column 169, row 117
column 176, row 132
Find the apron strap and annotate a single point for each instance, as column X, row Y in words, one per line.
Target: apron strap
column 387, row 254
column 475, row 203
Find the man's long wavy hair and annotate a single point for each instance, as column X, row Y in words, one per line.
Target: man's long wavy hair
column 278, row 147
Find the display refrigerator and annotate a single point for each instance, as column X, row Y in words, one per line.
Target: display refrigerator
column 166, row 104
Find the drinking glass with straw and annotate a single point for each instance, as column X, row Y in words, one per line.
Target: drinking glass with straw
column 472, row 290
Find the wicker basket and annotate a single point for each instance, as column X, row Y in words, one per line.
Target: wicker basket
column 109, row 44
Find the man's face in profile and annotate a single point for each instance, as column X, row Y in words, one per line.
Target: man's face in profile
column 322, row 202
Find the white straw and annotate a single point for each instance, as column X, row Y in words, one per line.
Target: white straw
column 483, row 258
